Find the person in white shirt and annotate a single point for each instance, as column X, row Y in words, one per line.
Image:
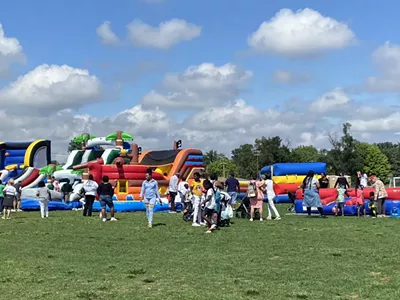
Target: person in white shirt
column 173, row 191
column 184, row 192
column 210, row 206
column 90, row 187
column 10, row 194
column 363, row 179
column 269, row 185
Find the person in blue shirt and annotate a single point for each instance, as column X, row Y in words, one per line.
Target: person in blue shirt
column 233, row 188
column 149, row 195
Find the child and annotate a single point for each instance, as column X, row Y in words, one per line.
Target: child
column 43, row 193
column 292, row 198
column 360, row 200
column 340, row 200
column 372, row 205
column 197, row 191
column 210, row 205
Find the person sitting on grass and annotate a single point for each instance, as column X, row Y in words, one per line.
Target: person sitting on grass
column 210, row 205
column 9, row 197
column 372, row 204
column 106, row 192
column 44, row 195
column 340, row 201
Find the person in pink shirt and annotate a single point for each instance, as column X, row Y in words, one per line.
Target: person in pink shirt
column 256, row 202
column 359, row 199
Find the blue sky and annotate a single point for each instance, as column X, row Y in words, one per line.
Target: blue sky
column 64, row 32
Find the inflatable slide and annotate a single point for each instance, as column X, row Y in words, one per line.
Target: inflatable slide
column 288, row 176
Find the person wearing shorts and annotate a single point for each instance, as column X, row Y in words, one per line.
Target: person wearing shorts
column 106, row 192
column 233, row 188
column 210, row 205
column 9, row 198
column 340, row 200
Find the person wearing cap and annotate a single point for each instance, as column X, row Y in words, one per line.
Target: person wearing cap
column 380, row 194
column 173, row 191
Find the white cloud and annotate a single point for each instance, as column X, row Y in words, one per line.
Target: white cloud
column 51, row 88
column 387, row 59
column 303, row 33
column 164, row 36
column 288, row 77
column 198, row 86
column 335, row 100
column 107, row 36
column 10, row 52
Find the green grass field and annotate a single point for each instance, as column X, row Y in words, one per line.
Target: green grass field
column 71, row 257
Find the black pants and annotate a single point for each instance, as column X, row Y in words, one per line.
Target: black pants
column 87, row 208
column 381, row 206
column 1, row 204
column 172, row 196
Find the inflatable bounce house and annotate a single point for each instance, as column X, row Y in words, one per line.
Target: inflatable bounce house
column 288, row 176
column 126, row 167
column 328, row 198
column 22, row 161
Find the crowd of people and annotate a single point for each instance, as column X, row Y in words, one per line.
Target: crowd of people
column 206, row 201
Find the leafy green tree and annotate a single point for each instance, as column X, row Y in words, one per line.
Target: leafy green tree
column 374, row 161
column 74, row 145
column 305, row 154
column 272, row 150
column 245, row 160
column 212, row 156
column 392, row 151
column 222, row 167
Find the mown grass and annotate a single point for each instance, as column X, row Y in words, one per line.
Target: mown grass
column 70, row 257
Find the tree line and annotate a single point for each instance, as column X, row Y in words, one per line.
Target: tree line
column 346, row 154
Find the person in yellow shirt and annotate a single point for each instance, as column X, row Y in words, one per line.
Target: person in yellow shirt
column 197, row 191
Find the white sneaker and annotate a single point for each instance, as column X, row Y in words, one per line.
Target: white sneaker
column 104, row 219
column 213, row 226
column 203, row 224
column 19, row 209
column 113, row 219
column 196, row 225
column 251, row 220
column 208, row 231
column 172, row 212
column 278, row 218
column 261, row 219
column 269, row 218
column 13, row 210
column 150, row 225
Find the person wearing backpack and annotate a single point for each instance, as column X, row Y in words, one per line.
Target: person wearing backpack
column 256, row 195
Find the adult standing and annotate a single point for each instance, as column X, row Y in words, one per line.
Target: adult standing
column 90, row 187
column 269, row 185
column 310, row 188
column 363, row 179
column 17, row 201
column 2, row 186
column 173, row 190
column 106, row 192
column 323, row 181
column 256, row 202
column 342, row 182
column 9, row 197
column 380, row 195
column 149, row 195
column 233, row 188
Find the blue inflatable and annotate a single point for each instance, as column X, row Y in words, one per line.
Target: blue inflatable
column 33, row 205
column 265, row 170
column 134, row 206
column 283, row 169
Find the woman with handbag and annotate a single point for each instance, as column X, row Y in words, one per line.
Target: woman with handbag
column 255, row 193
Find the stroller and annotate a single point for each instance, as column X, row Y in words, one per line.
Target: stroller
column 243, row 211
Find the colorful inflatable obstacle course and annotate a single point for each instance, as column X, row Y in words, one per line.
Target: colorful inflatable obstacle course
column 128, row 170
column 328, row 199
column 288, row 176
column 22, row 161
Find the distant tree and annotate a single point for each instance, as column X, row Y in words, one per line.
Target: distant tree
column 305, row 154
column 392, row 151
column 212, row 156
column 222, row 167
column 74, row 145
column 244, row 159
column 272, row 150
column 375, row 162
